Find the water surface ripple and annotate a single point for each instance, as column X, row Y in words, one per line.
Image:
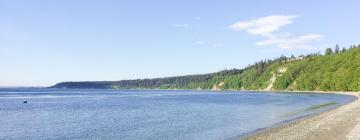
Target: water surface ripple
column 150, row 114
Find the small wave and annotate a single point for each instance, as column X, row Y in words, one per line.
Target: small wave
column 314, row 107
column 311, row 108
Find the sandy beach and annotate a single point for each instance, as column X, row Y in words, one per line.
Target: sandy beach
column 337, row 124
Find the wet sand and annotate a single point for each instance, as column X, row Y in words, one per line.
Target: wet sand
column 338, row 124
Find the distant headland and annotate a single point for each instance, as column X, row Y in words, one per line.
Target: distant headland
column 335, row 70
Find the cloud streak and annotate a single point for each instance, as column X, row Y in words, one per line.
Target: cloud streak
column 218, row 45
column 290, row 42
column 268, row 27
column 182, row 25
column 200, row 42
column 264, row 26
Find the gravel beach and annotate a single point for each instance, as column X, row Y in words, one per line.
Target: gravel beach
column 337, row 124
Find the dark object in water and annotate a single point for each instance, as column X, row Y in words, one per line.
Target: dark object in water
column 25, row 102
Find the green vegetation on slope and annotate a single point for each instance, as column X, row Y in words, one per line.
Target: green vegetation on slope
column 335, row 71
column 332, row 72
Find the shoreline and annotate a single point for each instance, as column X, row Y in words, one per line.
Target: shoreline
column 342, row 122
column 332, row 124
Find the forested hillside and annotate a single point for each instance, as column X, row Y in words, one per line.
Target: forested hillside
column 336, row 70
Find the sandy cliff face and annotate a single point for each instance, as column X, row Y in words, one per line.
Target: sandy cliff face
column 276, row 74
column 217, row 86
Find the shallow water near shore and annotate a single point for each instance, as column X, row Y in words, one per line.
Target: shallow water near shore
column 150, row 114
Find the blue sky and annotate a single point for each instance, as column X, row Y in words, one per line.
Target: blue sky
column 43, row 42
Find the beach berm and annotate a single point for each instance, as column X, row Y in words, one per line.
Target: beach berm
column 342, row 123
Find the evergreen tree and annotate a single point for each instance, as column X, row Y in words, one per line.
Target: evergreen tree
column 328, row 51
column 337, row 48
column 343, row 49
column 292, row 56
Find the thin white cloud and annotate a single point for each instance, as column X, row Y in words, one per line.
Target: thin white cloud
column 267, row 27
column 291, row 42
column 197, row 18
column 209, row 43
column 218, row 45
column 200, row 42
column 182, row 25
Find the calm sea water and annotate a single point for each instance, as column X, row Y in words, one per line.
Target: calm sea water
column 149, row 114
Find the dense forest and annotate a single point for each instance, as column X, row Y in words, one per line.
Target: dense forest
column 335, row 70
